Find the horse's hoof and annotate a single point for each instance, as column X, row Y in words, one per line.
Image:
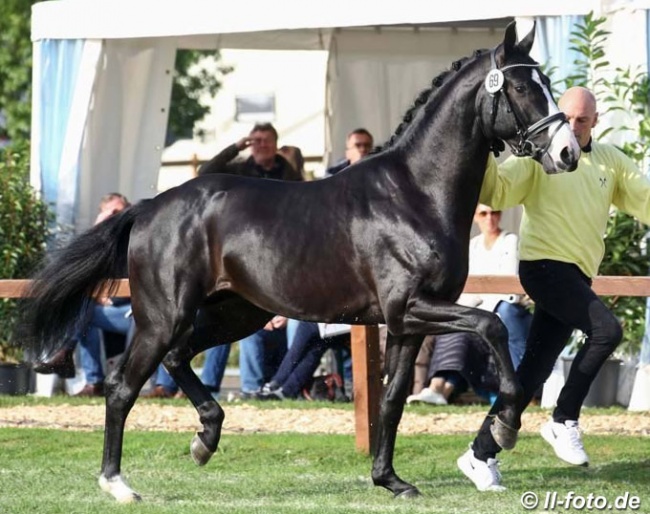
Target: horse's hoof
column 408, row 494
column 505, row 436
column 199, row 451
column 119, row 489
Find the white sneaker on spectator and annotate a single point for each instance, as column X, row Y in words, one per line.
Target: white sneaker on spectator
column 566, row 441
column 485, row 475
column 427, row 396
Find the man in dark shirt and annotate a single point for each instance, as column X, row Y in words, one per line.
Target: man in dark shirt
column 358, row 144
column 264, row 161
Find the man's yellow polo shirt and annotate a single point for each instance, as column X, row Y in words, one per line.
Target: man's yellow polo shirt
column 565, row 215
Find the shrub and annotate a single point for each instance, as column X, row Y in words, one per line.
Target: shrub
column 24, row 228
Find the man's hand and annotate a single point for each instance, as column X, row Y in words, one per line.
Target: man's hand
column 244, row 143
column 276, row 323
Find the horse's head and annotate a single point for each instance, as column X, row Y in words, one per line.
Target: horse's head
column 516, row 105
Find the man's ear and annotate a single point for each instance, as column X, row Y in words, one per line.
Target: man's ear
column 595, row 121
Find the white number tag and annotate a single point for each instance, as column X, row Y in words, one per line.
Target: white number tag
column 494, row 81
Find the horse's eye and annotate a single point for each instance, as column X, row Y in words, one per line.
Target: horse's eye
column 520, row 88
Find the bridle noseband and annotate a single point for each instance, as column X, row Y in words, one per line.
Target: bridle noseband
column 495, row 82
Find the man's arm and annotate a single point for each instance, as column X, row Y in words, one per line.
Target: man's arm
column 218, row 163
column 507, row 184
column 632, row 193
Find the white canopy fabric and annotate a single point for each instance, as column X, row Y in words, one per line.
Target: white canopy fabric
column 382, row 54
column 296, row 23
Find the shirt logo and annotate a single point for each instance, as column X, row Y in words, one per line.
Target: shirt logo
column 603, row 181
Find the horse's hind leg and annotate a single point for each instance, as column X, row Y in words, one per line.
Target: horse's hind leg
column 401, row 353
column 229, row 319
column 121, row 388
column 160, row 325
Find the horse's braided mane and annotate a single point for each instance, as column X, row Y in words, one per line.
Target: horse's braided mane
column 423, row 98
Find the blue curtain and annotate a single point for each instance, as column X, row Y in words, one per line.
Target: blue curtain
column 60, row 66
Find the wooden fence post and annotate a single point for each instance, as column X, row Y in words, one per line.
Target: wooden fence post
column 367, row 385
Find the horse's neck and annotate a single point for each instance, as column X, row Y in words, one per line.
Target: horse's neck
column 449, row 157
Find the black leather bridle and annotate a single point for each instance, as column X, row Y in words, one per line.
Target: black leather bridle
column 523, row 145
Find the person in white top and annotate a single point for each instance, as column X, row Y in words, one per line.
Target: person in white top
column 494, row 252
column 460, row 358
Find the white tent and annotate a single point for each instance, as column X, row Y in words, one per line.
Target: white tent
column 103, row 71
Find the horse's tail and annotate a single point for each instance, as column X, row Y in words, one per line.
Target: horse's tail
column 60, row 293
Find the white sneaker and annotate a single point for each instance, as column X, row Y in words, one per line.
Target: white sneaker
column 565, row 440
column 485, row 475
column 427, row 396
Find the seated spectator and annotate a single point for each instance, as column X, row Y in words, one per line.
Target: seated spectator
column 108, row 314
column 494, row 252
column 296, row 372
column 459, row 360
column 358, row 144
column 264, row 161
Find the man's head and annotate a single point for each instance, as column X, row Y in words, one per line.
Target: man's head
column 579, row 106
column 487, row 220
column 264, row 144
column 110, row 204
column 358, row 144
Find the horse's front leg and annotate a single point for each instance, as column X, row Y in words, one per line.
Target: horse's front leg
column 398, row 370
column 436, row 317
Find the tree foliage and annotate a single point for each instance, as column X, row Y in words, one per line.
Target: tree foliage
column 15, row 69
column 24, row 228
column 192, row 83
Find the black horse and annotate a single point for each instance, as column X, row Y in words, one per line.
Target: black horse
column 386, row 240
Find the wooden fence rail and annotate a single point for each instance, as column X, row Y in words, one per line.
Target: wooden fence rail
column 365, row 339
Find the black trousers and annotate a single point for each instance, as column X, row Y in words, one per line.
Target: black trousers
column 563, row 300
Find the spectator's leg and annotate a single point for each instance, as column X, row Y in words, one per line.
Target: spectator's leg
column 90, row 350
column 275, row 348
column 305, row 334
column 164, row 380
column 292, row 327
column 517, row 320
column 214, row 367
column 303, row 371
column 420, row 375
column 112, row 318
column 251, row 361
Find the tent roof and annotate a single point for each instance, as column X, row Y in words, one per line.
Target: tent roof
column 297, row 24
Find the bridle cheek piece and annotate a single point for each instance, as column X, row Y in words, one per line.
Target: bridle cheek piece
column 524, row 146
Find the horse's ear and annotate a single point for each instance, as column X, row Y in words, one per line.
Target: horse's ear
column 510, row 40
column 527, row 43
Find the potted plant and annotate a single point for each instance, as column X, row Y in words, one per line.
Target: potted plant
column 24, row 228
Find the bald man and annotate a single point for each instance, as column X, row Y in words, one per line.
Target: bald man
column 560, row 247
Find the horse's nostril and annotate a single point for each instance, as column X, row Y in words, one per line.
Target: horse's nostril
column 568, row 158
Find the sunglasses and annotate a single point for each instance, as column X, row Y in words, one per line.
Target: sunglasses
column 484, row 214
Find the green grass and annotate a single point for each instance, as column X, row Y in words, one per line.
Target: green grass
column 51, row 471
